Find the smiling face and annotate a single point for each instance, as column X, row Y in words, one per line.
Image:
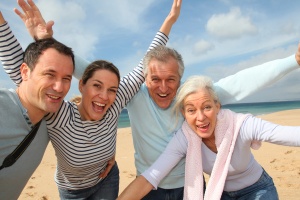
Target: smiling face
column 44, row 88
column 163, row 81
column 98, row 94
column 200, row 111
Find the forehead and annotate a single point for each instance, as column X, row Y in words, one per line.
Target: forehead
column 201, row 96
column 170, row 67
column 105, row 77
column 51, row 59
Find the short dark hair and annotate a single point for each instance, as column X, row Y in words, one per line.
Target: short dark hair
column 35, row 50
column 99, row 65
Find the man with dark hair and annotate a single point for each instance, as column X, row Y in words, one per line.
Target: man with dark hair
column 46, row 77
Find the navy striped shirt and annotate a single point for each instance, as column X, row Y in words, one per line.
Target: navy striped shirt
column 82, row 147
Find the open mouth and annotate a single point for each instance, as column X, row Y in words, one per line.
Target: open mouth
column 98, row 106
column 203, row 127
column 53, row 97
column 162, row 95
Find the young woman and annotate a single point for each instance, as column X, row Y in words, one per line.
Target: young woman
column 215, row 141
column 84, row 134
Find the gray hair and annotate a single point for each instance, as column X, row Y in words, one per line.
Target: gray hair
column 163, row 53
column 192, row 85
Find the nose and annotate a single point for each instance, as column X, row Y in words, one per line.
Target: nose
column 58, row 86
column 103, row 95
column 200, row 115
column 163, row 86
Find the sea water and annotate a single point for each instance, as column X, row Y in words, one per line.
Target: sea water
column 253, row 108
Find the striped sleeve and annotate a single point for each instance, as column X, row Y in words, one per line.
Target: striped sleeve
column 131, row 83
column 11, row 53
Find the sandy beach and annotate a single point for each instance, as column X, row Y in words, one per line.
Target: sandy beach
column 281, row 162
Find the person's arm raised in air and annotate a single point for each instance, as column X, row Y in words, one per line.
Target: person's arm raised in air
column 131, row 83
column 11, row 53
column 2, row 20
column 34, row 21
column 236, row 87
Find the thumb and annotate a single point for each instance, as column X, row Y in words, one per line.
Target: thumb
column 49, row 26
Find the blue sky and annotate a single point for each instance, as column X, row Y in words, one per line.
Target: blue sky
column 216, row 38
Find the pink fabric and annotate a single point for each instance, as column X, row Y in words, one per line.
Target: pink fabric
column 226, row 132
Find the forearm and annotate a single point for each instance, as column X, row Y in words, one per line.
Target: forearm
column 137, row 189
column 2, row 20
column 240, row 85
column 266, row 131
column 171, row 18
column 11, row 54
column 167, row 26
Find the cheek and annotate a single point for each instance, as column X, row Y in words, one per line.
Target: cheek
column 67, row 86
column 112, row 97
column 174, row 87
column 189, row 118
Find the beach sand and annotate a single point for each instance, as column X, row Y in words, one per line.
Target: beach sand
column 281, row 162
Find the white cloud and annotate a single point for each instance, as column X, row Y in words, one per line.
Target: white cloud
column 202, row 47
column 231, row 25
column 86, row 25
column 123, row 14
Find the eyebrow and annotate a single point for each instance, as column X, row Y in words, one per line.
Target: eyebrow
column 53, row 71
column 116, row 87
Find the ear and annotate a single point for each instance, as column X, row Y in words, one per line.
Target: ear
column 80, row 85
column 25, row 71
column 218, row 105
column 146, row 80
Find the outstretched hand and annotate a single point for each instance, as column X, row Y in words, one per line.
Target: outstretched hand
column 175, row 11
column 171, row 18
column 110, row 164
column 33, row 20
column 298, row 54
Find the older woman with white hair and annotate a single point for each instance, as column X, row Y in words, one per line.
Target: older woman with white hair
column 217, row 142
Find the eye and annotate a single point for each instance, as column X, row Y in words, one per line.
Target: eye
column 190, row 111
column 49, row 75
column 97, row 85
column 112, row 90
column 67, row 79
column 155, row 79
column 208, row 107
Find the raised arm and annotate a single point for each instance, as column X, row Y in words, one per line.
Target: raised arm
column 171, row 18
column 297, row 56
column 240, row 85
column 2, row 20
column 11, row 53
column 131, row 83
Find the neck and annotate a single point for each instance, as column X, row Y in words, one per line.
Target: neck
column 210, row 143
column 34, row 113
column 81, row 112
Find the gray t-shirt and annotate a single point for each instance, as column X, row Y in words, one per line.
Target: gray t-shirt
column 14, row 127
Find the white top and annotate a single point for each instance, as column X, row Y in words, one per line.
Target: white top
column 244, row 170
column 153, row 127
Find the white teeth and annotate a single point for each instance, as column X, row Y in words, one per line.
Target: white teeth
column 53, row 97
column 162, row 95
column 202, row 126
column 99, row 104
